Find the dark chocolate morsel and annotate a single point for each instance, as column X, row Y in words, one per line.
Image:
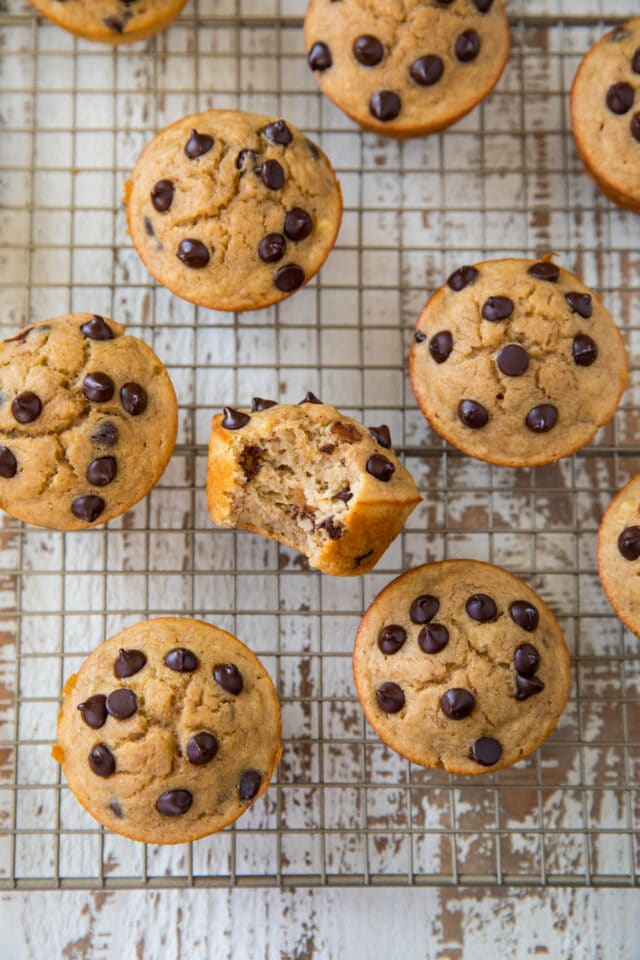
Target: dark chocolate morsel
column 457, row 703
column 585, row 350
column 272, row 174
column 473, row 414
column 634, row 126
column 97, row 329
column 174, row 803
column 98, row 387
column 384, row 105
column 524, row 614
column 334, row 529
column 234, row 419
column 193, row 253
column 112, row 23
column 298, row 224
column 427, row 70
column 319, row 57
column 382, row 435
column 272, row 248
column 390, row 697
column 26, row 407
column 391, row 638
column 419, row 336
column 88, row 507
column 545, row 270
column 162, row 195
column 105, row 434
column 542, row 418
column 197, row 144
column 635, row 61
column 133, row 398
column 363, row 556
column 580, row 303
column 486, row 751
column 228, row 677
column 278, row 132
column 440, row 346
column 122, row 703
column 202, row 748
column 245, row 155
column 250, row 783
column 461, row 278
column 344, row 495
column 310, row 398
column 481, row 607
column 258, row 404
column 102, row 761
column 102, row 471
column 433, row 638
column 629, row 543
column 497, row 308
column 526, row 659
column 513, row 360
column 8, row 463
column 289, row 278
column 467, row 46
column 313, row 149
column 483, row 6
column 380, row 467
column 251, row 460
column 424, row 608
column 148, row 227
column 94, row 710
column 116, row 809
column 620, row 97
column 368, row 50
column 181, row 660
column 128, row 662
column 528, row 686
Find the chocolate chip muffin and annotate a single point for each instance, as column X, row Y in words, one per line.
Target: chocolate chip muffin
column 461, row 665
column 88, row 421
column 169, row 731
column 311, row 478
column 605, row 114
column 619, row 554
column 516, row 362
column 404, row 69
column 111, row 21
column 233, row 211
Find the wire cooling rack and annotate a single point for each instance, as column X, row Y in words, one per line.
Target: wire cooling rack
column 343, row 808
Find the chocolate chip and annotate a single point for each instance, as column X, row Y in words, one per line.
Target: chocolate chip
column 635, row 61
column 272, row 174
column 457, row 703
column 298, row 224
column 382, row 435
column 8, row 463
column 542, row 418
column 461, row 278
column 251, row 461
column 162, row 195
column 473, row 414
column 234, row 419
column 106, row 434
column 88, row 507
column 629, row 543
column 620, row 97
column 310, row 398
column 229, row 678
column 181, row 660
column 250, row 783
column 112, row 23
column 526, row 659
column 26, row 407
column 368, row 50
column 148, row 227
column 258, row 404
column 98, row 387
column 580, row 303
column 193, row 253
column 202, row 748
column 384, row 105
column 433, row 638
column 391, row 638
column 486, row 751
column 528, row 687
column 427, row 70
column 497, row 308
column 424, row 608
column 380, row 467
column 467, row 46
column 483, row 6
column 245, row 155
column 513, row 360
column 327, row 448
column 346, row 432
column 102, row 471
column 585, row 350
column 313, row 149
column 128, row 662
column 440, row 346
column 174, row 803
column 545, row 270
column 102, row 761
column 634, row 126
column 319, row 57
column 524, row 614
column 94, row 710
column 364, row 556
column 344, row 495
column 481, row 607
column 133, row 398
column 97, row 329
column 198, row 144
column 335, row 530
column 390, row 697
column 419, row 337
column 122, row 703
column 289, row 278
column 272, row 248
column 278, row 132
column 116, row 809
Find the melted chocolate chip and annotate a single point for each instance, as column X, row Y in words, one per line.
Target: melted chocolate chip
column 105, row 434
column 580, row 303
column 440, row 346
column 98, row 387
column 112, row 23
column 310, row 398
column 380, row 467
column 528, row 687
column 497, row 308
column 174, row 803
column 102, row 761
column 148, row 227
column 258, row 404
column 513, row 360
column 424, row 608
column 245, row 155
column 346, row 432
column 524, row 614
column 122, row 703
column 26, row 407
column 272, row 248
column 335, row 530
column 629, row 543
column 128, row 662
column 133, row 398
column 162, row 195
column 181, row 660
column 634, row 126
column 94, row 711
column 457, row 703
column 298, row 224
column 542, row 418
column 193, row 253
column 198, row 144
column 545, row 270
column 390, row 697
column 483, row 6
column 250, row 783
column 461, row 278
column 433, row 638
column 272, row 174
column 234, row 419
column 620, row 97
column 102, row 471
column 88, row 507
column 391, row 638
column 635, row 61
column 368, row 50
column 382, row 435
column 481, row 607
column 467, row 46
column 419, row 336
column 585, row 350
column 289, row 278
column 116, row 809
column 526, row 659
column 384, row 105
column 473, row 414
column 344, row 495
column 319, row 57
column 313, row 149
column 251, row 461
column 278, row 132
column 202, row 748
column 229, row 678
column 8, row 463
column 426, row 71
column 97, row 329
column 364, row 556
column 486, row 751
